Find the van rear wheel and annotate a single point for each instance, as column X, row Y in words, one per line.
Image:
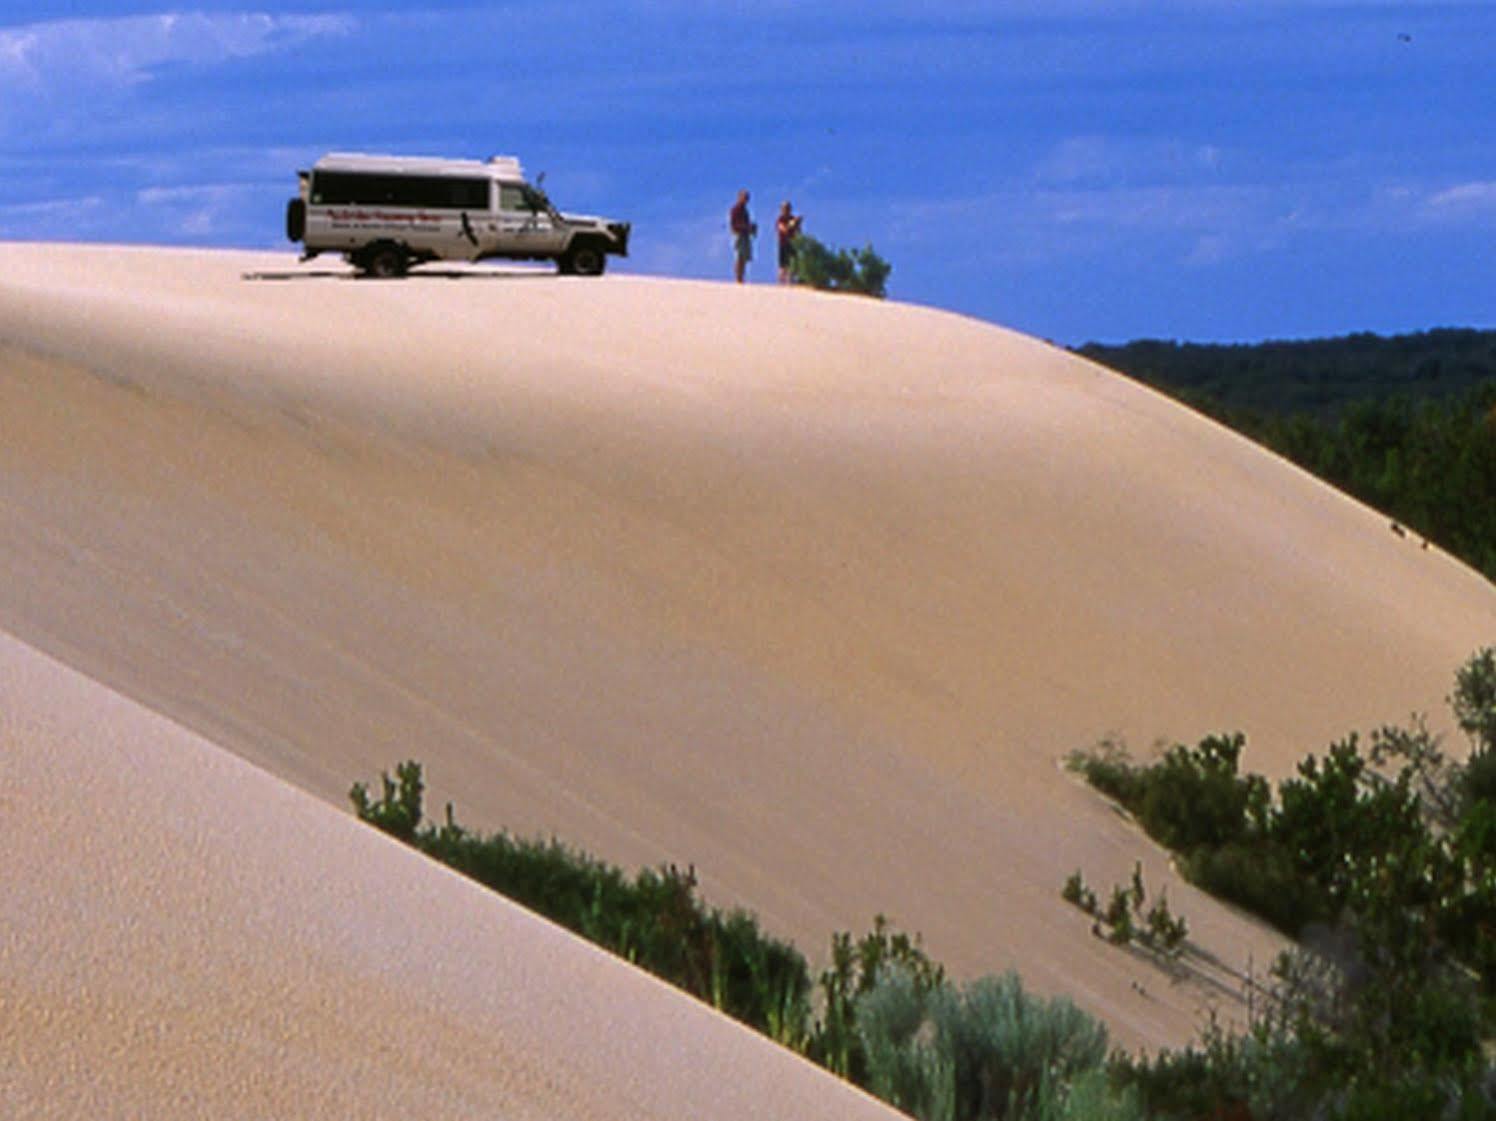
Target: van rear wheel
column 384, row 262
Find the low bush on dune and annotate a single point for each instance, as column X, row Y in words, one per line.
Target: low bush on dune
column 989, row 1050
column 654, row 919
column 856, row 968
column 985, row 1050
column 860, row 271
column 1124, row 920
column 1349, row 827
column 1381, row 860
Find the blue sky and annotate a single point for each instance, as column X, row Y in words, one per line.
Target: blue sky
column 1076, row 169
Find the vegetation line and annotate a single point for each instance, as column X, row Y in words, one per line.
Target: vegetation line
column 1382, row 862
column 1406, row 424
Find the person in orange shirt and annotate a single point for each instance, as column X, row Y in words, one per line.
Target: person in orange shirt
column 788, row 228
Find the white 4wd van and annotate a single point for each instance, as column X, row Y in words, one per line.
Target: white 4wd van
column 387, row 213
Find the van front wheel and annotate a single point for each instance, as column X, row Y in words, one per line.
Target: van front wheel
column 584, row 260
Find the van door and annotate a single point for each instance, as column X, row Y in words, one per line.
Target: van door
column 467, row 210
column 525, row 226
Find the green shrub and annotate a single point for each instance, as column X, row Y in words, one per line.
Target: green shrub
column 1124, row 921
column 1090, row 1096
column 1195, row 797
column 655, row 920
column 1109, row 768
column 1403, row 424
column 1165, row 931
column 1416, row 754
column 398, row 811
column 1005, row 1044
column 1474, row 699
column 1191, row 797
column 1266, row 1072
column 1474, row 705
column 905, row 1065
column 1390, row 858
column 842, row 270
column 1388, row 1016
column 986, row 1051
column 1339, row 822
column 1372, row 1096
column 1118, row 916
column 1194, row 1082
column 1259, row 877
column 856, row 967
column 1479, row 779
column 1075, row 891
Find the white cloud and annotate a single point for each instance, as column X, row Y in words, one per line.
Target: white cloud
column 199, row 211
column 1210, row 249
column 1464, row 200
column 1191, row 224
column 79, row 56
column 78, row 218
column 1191, row 208
column 692, row 245
column 1117, row 160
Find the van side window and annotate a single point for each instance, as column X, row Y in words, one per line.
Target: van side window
column 351, row 188
column 512, row 196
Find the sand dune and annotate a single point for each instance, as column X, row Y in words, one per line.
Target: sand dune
column 812, row 592
column 187, row 936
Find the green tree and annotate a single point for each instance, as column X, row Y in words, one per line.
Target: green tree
column 841, row 270
column 1474, row 699
column 1406, row 424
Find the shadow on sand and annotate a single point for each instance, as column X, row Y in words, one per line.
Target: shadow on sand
column 414, row 274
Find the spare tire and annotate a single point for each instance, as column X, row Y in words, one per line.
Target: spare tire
column 296, row 219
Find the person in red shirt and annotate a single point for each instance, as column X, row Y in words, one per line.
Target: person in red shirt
column 788, row 228
column 743, row 232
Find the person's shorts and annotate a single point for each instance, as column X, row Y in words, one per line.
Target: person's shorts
column 743, row 246
column 786, row 254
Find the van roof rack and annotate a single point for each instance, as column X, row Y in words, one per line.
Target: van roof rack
column 506, row 166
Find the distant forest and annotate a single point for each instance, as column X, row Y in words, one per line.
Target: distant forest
column 1319, row 377
column 1406, row 424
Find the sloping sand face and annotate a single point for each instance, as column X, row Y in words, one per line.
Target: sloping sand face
column 187, row 936
column 811, row 592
